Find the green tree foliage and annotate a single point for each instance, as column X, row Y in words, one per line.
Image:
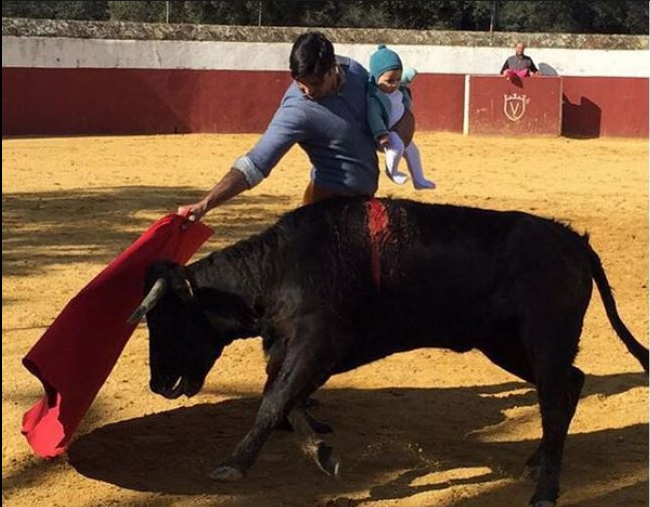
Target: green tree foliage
column 619, row 17
column 56, row 10
column 611, row 16
column 218, row 13
column 147, row 12
column 531, row 16
column 581, row 16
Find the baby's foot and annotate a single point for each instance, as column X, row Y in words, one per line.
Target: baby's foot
column 397, row 177
column 424, row 185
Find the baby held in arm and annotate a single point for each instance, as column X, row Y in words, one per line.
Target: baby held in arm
column 391, row 119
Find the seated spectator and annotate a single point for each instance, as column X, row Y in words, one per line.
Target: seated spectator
column 519, row 64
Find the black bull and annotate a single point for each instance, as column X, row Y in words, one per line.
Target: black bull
column 339, row 284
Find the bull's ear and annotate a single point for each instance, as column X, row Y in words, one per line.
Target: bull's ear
column 186, row 292
column 183, row 284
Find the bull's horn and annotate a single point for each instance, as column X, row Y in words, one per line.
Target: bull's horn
column 157, row 291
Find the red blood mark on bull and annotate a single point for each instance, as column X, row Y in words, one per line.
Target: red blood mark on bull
column 378, row 233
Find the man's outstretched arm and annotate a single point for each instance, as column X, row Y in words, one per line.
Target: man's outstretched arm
column 232, row 184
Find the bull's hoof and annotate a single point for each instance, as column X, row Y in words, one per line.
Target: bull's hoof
column 327, row 460
column 543, row 503
column 227, row 473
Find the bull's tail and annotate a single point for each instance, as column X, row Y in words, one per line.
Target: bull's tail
column 635, row 348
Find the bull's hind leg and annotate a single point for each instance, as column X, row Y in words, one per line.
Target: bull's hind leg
column 300, row 374
column 553, row 344
column 577, row 380
column 506, row 349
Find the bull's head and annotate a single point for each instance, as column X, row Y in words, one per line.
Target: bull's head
column 183, row 343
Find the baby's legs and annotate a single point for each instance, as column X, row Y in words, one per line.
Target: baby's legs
column 412, row 156
column 394, row 153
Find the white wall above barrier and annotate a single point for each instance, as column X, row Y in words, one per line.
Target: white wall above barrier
column 59, row 52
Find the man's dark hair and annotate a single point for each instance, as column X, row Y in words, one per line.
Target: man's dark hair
column 311, row 55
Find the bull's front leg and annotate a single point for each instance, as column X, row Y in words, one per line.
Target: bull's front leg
column 300, row 375
column 312, row 444
column 316, row 425
column 275, row 358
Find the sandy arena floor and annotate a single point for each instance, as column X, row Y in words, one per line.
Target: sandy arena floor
column 427, row 428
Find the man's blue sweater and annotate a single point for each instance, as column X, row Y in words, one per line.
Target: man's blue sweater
column 333, row 131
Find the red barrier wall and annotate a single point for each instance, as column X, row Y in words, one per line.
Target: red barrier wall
column 128, row 101
column 134, row 101
column 519, row 106
column 605, row 106
column 50, row 101
column 438, row 102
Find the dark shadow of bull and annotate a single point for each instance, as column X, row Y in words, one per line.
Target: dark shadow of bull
column 342, row 283
column 400, row 433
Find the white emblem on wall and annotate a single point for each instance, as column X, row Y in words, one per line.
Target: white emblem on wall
column 514, row 106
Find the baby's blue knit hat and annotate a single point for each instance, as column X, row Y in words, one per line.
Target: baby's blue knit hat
column 383, row 60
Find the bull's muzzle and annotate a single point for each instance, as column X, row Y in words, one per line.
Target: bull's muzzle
column 183, row 385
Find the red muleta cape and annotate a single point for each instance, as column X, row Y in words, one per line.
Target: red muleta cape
column 78, row 351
